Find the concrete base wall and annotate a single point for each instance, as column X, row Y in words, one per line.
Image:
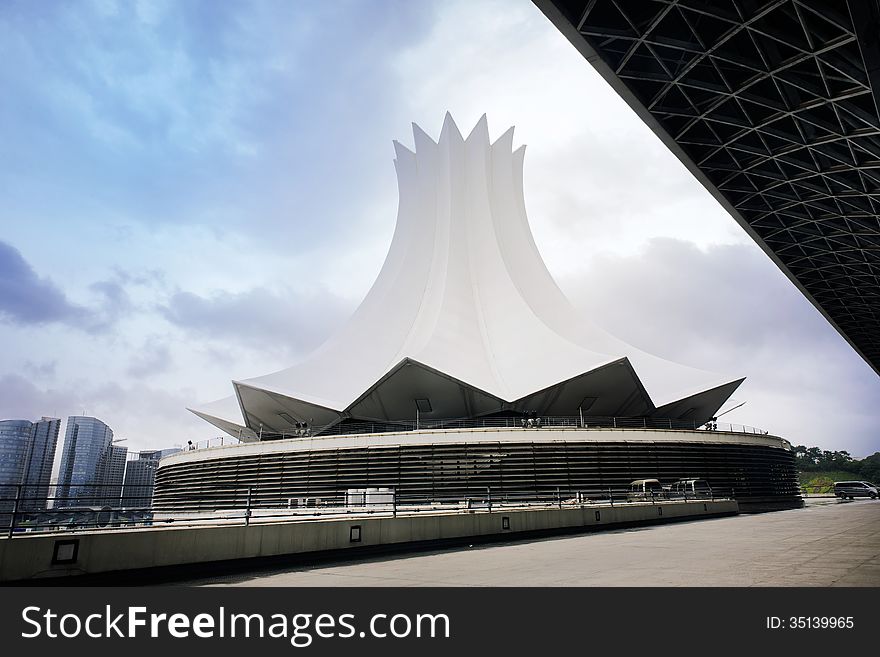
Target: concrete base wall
column 31, row 556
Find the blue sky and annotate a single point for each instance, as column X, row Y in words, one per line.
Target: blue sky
column 198, row 191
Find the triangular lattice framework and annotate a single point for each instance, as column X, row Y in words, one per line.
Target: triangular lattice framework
column 771, row 104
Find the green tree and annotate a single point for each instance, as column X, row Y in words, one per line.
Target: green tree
column 815, row 459
column 869, row 467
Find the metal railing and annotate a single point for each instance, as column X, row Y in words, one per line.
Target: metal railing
column 536, row 422
column 217, row 441
column 19, row 517
column 72, row 507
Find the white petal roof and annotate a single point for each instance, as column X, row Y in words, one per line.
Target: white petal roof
column 463, row 291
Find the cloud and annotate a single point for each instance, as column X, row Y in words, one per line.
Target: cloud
column 145, row 415
column 259, row 318
column 114, row 303
column 202, row 113
column 724, row 292
column 728, row 309
column 144, row 278
column 154, row 357
column 22, row 399
column 26, row 299
column 45, row 370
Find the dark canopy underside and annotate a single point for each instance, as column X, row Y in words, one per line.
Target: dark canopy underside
column 773, row 105
column 613, row 390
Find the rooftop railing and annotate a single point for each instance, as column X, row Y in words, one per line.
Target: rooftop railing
column 537, row 422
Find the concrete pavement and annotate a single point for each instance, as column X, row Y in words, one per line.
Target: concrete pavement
column 827, row 543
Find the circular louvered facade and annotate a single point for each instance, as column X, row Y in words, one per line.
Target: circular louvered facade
column 457, row 465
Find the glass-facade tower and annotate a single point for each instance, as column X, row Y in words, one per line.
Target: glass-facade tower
column 114, row 475
column 140, row 477
column 38, row 469
column 85, row 463
column 15, row 442
column 27, row 451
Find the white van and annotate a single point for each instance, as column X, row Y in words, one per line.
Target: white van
column 690, row 488
column 642, row 490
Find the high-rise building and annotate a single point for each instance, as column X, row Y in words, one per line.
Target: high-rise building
column 114, row 475
column 85, row 462
column 140, row 477
column 15, row 442
column 38, row 467
column 27, row 450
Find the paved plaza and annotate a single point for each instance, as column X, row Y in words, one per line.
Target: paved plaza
column 827, row 543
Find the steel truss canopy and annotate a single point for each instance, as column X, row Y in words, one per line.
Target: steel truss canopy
column 773, row 106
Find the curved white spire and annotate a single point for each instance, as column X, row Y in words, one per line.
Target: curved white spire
column 463, row 291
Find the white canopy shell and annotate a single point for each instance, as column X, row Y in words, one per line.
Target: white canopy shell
column 465, row 314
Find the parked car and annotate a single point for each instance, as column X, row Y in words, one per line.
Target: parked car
column 853, row 489
column 642, row 490
column 691, row 487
